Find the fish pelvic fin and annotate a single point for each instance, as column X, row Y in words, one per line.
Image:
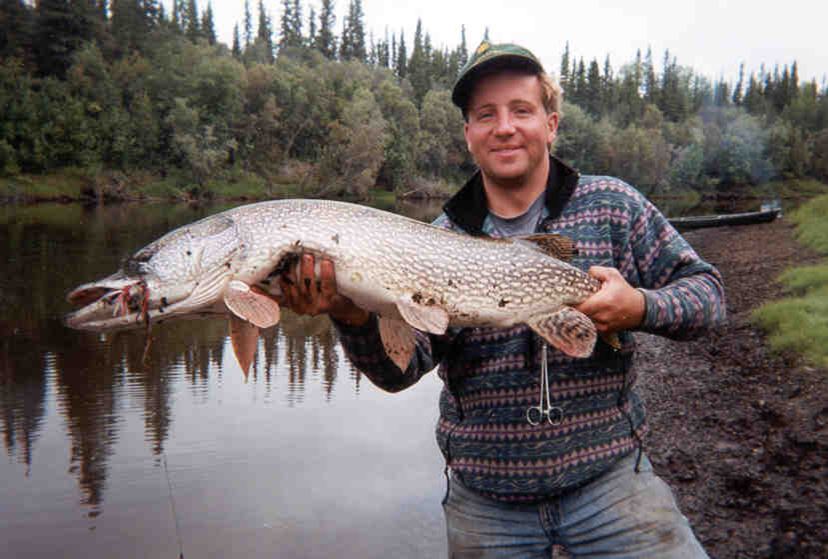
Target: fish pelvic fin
column 398, row 340
column 552, row 244
column 567, row 329
column 244, row 338
column 251, row 304
column 423, row 314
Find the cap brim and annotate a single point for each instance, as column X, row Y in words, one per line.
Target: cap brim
column 462, row 89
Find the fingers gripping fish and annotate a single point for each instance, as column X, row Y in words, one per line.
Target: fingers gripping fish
column 413, row 275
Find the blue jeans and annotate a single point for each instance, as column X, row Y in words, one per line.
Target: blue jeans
column 622, row 514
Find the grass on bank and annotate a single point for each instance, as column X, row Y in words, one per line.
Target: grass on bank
column 67, row 184
column 791, row 189
column 799, row 322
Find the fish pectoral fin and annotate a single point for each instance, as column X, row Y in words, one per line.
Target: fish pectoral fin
column 244, row 337
column 423, row 316
column 552, row 244
column 398, row 340
column 568, row 329
column 251, row 304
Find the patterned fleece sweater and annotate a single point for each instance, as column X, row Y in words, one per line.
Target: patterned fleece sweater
column 492, row 375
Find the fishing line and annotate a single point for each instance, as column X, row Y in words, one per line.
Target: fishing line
column 172, row 507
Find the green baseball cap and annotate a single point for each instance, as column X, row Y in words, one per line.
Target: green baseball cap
column 486, row 59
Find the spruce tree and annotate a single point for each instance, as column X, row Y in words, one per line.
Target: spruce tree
column 326, row 40
column 564, row 77
column 208, row 28
column 236, row 50
column 753, row 101
column 16, row 28
column 177, row 14
column 578, row 85
column 793, row 91
column 311, row 41
column 193, row 27
column 591, row 97
column 286, row 25
column 650, row 83
column 393, row 54
column 248, row 24
column 462, row 51
column 608, row 87
column 353, row 34
column 265, row 32
column 402, row 57
column 60, row 28
column 418, row 65
column 737, row 91
column 296, row 24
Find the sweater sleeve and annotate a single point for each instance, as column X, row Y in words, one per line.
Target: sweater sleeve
column 363, row 346
column 684, row 295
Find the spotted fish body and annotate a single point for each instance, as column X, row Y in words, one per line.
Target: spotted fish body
column 410, row 273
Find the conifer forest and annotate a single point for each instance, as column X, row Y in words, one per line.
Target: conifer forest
column 126, row 85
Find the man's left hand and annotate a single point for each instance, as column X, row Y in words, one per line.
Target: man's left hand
column 617, row 305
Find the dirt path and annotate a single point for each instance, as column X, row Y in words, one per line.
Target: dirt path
column 742, row 435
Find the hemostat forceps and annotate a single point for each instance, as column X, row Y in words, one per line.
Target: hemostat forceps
column 536, row 414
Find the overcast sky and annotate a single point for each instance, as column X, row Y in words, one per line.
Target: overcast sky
column 710, row 36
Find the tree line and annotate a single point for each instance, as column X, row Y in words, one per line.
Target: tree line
column 122, row 84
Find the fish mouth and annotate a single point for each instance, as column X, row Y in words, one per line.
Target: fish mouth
column 122, row 302
column 111, row 303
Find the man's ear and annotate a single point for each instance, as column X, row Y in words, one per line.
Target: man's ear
column 552, row 120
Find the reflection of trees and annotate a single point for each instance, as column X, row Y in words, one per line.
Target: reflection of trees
column 85, row 382
column 22, row 393
column 50, row 249
column 270, row 345
column 309, row 342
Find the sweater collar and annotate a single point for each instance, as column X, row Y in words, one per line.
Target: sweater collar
column 468, row 208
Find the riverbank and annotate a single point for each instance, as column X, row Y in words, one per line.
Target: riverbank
column 740, row 433
column 94, row 187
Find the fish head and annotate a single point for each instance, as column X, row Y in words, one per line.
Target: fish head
column 183, row 273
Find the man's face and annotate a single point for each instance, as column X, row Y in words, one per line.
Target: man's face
column 508, row 130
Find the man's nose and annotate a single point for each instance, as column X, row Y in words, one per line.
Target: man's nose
column 504, row 125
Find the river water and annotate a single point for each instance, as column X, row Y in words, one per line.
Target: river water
column 108, row 454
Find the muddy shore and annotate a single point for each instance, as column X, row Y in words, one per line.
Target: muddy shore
column 740, row 434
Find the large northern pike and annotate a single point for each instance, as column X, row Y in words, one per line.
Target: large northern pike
column 410, row 273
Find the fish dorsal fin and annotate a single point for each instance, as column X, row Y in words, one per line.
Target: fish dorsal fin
column 611, row 340
column 568, row 329
column 423, row 314
column 557, row 246
column 398, row 341
column 251, row 304
column 244, row 338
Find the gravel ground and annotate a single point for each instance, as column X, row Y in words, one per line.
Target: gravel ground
column 739, row 433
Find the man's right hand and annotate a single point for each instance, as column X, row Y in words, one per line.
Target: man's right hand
column 304, row 293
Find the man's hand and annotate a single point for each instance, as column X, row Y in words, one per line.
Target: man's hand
column 617, row 305
column 304, row 293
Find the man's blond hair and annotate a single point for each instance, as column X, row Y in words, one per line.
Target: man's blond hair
column 551, row 94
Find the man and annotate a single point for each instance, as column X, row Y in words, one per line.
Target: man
column 572, row 474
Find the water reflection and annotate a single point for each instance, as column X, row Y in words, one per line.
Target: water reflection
column 81, row 390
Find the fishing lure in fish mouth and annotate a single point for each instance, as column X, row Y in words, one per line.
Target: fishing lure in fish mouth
column 130, row 298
